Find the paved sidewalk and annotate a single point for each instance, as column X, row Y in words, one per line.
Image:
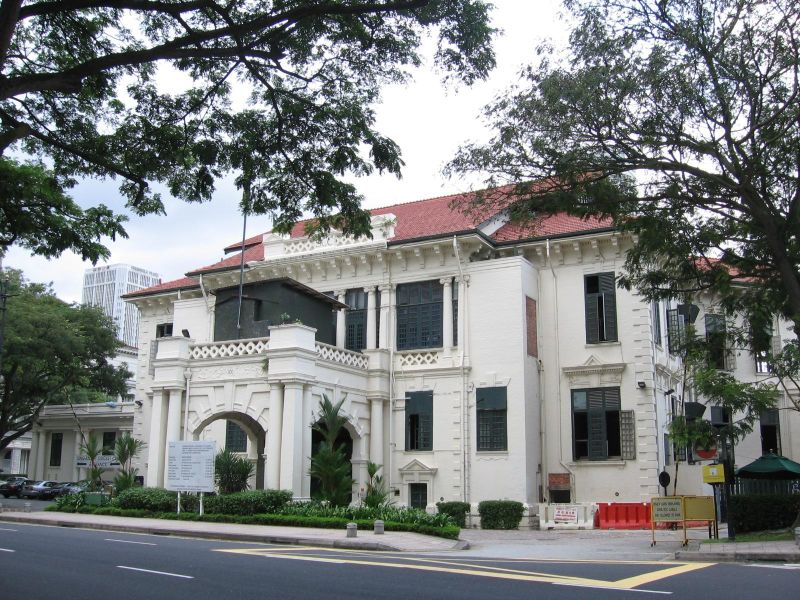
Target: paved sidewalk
column 593, row 544
column 400, row 541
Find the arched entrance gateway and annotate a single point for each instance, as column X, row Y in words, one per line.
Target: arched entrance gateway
column 223, row 427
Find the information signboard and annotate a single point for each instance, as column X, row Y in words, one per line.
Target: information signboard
column 190, row 466
column 104, row 461
column 667, row 509
column 565, row 514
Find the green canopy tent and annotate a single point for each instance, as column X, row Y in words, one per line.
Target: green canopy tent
column 770, row 466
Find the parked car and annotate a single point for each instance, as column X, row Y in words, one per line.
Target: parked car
column 74, row 487
column 13, row 487
column 41, row 490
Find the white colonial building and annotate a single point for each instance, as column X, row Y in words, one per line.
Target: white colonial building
column 476, row 359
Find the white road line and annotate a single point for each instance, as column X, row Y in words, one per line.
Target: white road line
column 156, row 572
column 130, row 542
column 791, row 566
column 6, row 550
column 602, row 587
column 4, row 529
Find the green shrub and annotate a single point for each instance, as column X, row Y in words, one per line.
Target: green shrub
column 248, row 503
column 231, row 472
column 763, row 512
column 363, row 513
column 152, row 499
column 457, row 511
column 500, row 514
column 69, row 501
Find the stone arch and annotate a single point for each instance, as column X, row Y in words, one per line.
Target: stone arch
column 256, row 434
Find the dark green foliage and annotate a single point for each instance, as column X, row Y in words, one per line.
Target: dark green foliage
column 329, row 465
column 663, row 117
column 377, row 494
column 500, row 514
column 152, row 499
column 52, row 351
column 231, row 472
column 362, row 513
column 248, row 503
column 126, row 449
column 78, row 91
column 457, row 511
column 764, row 512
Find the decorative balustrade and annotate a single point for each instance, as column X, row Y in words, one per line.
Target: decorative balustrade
column 426, row 358
column 342, row 356
column 229, row 348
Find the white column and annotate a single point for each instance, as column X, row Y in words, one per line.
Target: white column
column 76, row 472
column 174, row 419
column 370, row 317
column 292, row 439
column 155, row 452
column 41, row 460
column 447, row 312
column 376, row 431
column 274, row 436
column 34, row 455
column 384, row 336
column 340, row 321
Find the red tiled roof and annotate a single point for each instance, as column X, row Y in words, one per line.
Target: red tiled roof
column 235, row 247
column 549, row 225
column 166, row 286
column 250, row 254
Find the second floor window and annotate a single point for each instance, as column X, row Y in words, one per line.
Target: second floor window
column 601, row 308
column 56, row 440
column 716, row 339
column 419, row 315
column 419, row 420
column 491, row 418
column 356, row 320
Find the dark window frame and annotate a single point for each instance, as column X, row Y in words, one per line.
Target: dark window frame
column 419, row 314
column 355, row 321
column 419, row 421
column 164, row 330
column 235, row 437
column 109, row 441
column 600, row 304
column 56, row 448
column 717, row 341
column 597, row 425
column 770, row 429
column 491, row 415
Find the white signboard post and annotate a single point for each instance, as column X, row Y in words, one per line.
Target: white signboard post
column 190, row 468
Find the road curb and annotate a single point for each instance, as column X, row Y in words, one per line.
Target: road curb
column 784, row 557
column 343, row 543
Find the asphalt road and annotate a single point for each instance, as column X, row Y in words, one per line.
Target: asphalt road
column 58, row 563
column 19, row 503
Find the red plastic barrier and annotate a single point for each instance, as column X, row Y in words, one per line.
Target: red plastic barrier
column 623, row 515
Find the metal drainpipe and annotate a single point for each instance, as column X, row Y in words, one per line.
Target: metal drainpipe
column 465, row 432
column 188, row 375
column 558, row 379
column 390, row 342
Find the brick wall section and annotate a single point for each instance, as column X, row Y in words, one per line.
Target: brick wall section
column 530, row 320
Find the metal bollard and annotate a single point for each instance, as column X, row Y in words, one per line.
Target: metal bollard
column 352, row 530
column 378, row 527
column 27, row 507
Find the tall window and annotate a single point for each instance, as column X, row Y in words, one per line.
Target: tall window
column 235, row 438
column 419, row 420
column 455, row 313
column 600, row 430
column 109, row 439
column 56, row 440
column 491, row 414
column 419, row 315
column 655, row 315
column 676, row 330
column 601, row 308
column 762, row 349
column 770, row 431
column 356, row 320
column 716, row 341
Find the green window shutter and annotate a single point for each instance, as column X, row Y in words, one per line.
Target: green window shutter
column 592, row 313
column 608, row 290
column 598, row 447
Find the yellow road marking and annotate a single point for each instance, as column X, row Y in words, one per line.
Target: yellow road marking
column 445, row 566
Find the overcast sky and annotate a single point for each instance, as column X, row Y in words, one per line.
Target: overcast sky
column 428, row 122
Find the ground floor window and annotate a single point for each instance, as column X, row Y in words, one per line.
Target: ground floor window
column 235, row 438
column 600, row 429
column 770, row 431
column 418, row 495
column 56, row 440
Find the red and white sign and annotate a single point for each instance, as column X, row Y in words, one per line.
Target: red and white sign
column 709, row 453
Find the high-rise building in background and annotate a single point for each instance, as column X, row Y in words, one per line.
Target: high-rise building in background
column 104, row 287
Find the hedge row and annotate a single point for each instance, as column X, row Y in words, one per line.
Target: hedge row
column 448, row 531
column 500, row 514
column 241, row 503
column 763, row 512
column 457, row 511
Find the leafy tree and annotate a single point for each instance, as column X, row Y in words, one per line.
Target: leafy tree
column 679, row 121
column 377, row 494
column 329, row 465
column 232, row 472
column 51, row 350
column 126, row 449
column 79, row 91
